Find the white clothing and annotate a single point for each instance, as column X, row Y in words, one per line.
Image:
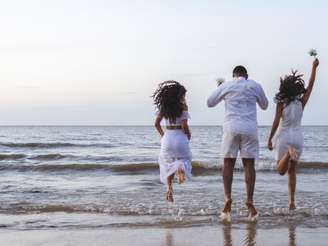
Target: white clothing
column 240, row 120
column 178, row 121
column 175, row 151
column 248, row 145
column 290, row 131
column 240, row 97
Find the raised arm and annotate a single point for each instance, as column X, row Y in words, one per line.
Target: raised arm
column 275, row 124
column 158, row 125
column 309, row 88
column 215, row 97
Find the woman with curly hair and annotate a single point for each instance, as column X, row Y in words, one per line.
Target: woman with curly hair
column 291, row 100
column 175, row 155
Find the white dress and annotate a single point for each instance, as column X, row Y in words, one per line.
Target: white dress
column 290, row 131
column 175, row 151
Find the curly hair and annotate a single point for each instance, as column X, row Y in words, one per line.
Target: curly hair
column 168, row 99
column 292, row 87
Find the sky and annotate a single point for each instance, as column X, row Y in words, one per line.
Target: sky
column 97, row 62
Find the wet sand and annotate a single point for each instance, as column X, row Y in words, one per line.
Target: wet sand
column 224, row 234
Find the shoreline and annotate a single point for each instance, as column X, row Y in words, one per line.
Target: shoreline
column 224, row 234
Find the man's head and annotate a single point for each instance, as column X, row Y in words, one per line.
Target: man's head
column 240, row 71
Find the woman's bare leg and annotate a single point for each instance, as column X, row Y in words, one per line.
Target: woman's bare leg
column 291, row 184
column 283, row 163
column 169, row 192
column 181, row 175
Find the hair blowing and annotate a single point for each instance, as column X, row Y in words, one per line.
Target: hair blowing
column 168, row 99
column 291, row 88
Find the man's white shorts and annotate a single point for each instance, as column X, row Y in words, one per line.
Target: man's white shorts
column 247, row 144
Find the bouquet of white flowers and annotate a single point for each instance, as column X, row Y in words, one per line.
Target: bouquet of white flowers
column 219, row 81
column 313, row 52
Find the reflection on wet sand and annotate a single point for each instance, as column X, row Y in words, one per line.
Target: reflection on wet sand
column 227, row 234
column 292, row 234
column 249, row 238
column 169, row 239
column 232, row 234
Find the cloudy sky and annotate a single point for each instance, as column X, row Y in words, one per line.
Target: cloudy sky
column 98, row 61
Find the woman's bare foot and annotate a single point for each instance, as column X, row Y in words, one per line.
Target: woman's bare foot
column 169, row 196
column 181, row 176
column 252, row 213
column 291, row 206
column 227, row 206
column 292, row 153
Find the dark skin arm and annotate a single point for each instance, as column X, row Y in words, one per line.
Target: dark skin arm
column 185, row 128
column 309, row 88
column 158, row 126
column 275, row 124
column 184, row 123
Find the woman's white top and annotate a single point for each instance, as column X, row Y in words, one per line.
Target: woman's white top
column 184, row 116
column 292, row 116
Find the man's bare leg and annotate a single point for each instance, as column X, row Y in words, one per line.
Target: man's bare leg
column 250, row 177
column 291, row 184
column 227, row 173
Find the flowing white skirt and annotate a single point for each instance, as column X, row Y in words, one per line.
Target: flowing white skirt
column 174, row 154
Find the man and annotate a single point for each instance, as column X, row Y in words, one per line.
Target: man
column 239, row 132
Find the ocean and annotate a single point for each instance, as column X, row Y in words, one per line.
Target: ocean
column 77, row 177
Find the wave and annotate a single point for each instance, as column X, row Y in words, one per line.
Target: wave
column 134, row 168
column 313, row 165
column 57, row 156
column 49, row 157
column 11, row 156
column 198, row 169
column 52, row 145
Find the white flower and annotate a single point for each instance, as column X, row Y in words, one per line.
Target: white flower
column 219, row 81
column 313, row 52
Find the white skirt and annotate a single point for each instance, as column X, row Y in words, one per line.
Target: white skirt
column 174, row 154
column 288, row 137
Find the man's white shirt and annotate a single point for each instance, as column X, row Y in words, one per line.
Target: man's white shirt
column 240, row 97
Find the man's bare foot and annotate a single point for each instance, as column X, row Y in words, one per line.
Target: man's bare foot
column 252, row 213
column 227, row 206
column 225, row 214
column 291, row 206
column 292, row 153
column 169, row 196
column 181, row 176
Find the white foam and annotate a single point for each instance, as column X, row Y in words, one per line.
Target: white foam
column 225, row 217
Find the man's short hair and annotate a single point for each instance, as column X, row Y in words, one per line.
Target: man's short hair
column 240, row 71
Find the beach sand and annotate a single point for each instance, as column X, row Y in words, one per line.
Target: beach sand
column 224, row 234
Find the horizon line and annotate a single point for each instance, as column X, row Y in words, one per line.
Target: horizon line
column 117, row 125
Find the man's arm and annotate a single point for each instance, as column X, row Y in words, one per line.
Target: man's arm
column 215, row 97
column 262, row 100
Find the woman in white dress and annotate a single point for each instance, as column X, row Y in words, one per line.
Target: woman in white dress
column 291, row 100
column 175, row 155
